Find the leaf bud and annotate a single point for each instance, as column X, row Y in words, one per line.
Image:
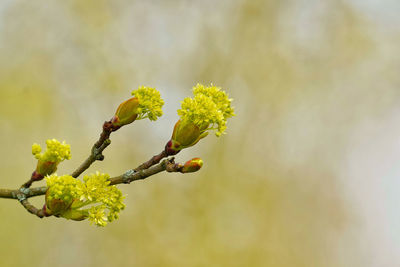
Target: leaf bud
column 192, row 165
column 126, row 112
column 185, row 134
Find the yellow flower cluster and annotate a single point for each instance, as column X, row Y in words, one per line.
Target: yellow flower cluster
column 97, row 189
column 67, row 197
column 150, row 103
column 61, row 193
column 219, row 97
column 48, row 161
column 209, row 109
column 56, row 151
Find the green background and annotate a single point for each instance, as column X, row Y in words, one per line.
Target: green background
column 307, row 174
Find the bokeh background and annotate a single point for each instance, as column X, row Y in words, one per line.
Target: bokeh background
column 308, row 174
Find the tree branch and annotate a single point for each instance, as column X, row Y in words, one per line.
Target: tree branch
column 154, row 160
column 97, row 149
column 167, row 165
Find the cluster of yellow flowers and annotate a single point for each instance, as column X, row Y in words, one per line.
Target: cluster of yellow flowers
column 67, row 197
column 56, row 151
column 219, row 97
column 146, row 103
column 209, row 109
column 48, row 161
column 150, row 103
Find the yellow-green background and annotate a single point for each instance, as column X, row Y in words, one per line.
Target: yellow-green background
column 308, row 174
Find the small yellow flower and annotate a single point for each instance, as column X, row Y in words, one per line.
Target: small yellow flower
column 36, row 149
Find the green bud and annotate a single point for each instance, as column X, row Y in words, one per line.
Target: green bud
column 185, row 134
column 44, row 168
column 192, row 165
column 57, row 206
column 65, row 209
column 126, row 112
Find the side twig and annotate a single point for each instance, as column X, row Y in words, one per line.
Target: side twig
column 168, row 165
column 97, row 149
column 154, row 160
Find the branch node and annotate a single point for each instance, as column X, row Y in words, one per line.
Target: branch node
column 127, row 175
column 99, row 157
column 24, row 190
column 21, row 197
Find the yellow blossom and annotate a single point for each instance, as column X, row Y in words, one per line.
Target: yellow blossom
column 146, row 103
column 93, row 199
column 150, row 103
column 48, row 161
column 219, row 97
column 208, row 110
column 56, row 151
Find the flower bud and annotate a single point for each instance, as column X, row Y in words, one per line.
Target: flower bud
column 185, row 134
column 192, row 165
column 44, row 168
column 56, row 206
column 64, row 208
column 126, row 112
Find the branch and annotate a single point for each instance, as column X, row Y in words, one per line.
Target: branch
column 167, row 165
column 97, row 149
column 32, row 209
column 154, row 160
column 21, row 195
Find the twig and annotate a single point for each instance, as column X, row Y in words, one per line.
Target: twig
column 97, row 149
column 133, row 175
column 32, row 209
column 154, row 160
column 21, row 195
column 167, row 165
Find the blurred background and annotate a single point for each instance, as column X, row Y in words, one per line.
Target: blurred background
column 307, row 175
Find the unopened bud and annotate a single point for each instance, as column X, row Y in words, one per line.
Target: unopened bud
column 126, row 112
column 192, row 165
